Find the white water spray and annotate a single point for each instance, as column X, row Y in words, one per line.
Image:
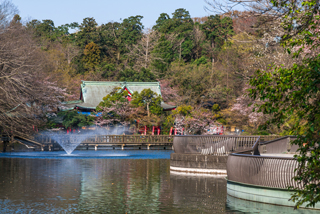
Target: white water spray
column 69, row 142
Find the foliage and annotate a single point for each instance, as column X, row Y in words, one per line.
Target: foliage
column 115, row 108
column 177, row 51
column 192, row 120
column 293, row 92
column 91, row 55
column 148, row 99
column 130, row 75
column 184, row 110
column 72, row 119
column 217, row 30
column 288, row 91
column 114, row 96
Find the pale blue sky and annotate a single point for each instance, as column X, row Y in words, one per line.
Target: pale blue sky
column 67, row 11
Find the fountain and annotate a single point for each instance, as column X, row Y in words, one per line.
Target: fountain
column 68, row 142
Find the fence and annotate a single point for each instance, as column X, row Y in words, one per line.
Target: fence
column 276, row 172
column 268, row 171
column 108, row 139
column 130, row 139
column 213, row 144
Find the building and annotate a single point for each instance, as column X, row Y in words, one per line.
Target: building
column 92, row 93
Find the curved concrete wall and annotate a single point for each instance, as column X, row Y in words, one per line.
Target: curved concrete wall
column 261, row 194
column 197, row 163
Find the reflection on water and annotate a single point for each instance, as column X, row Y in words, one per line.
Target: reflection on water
column 109, row 186
column 198, row 194
column 104, row 186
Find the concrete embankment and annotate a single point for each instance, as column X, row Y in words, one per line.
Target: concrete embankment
column 197, row 163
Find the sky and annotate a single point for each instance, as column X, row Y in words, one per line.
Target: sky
column 103, row 11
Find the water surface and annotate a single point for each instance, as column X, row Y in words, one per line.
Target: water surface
column 115, row 182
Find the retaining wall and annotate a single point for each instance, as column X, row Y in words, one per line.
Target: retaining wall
column 267, row 195
column 197, row 163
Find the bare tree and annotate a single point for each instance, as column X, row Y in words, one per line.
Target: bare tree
column 7, row 12
column 26, row 92
column 198, row 37
column 142, row 51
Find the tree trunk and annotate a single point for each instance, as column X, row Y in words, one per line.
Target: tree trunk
column 180, row 52
column 147, row 50
column 212, row 64
column 5, row 143
column 227, row 81
column 148, row 109
column 180, row 49
column 118, row 57
column 227, row 85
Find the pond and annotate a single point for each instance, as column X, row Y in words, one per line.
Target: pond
column 111, row 182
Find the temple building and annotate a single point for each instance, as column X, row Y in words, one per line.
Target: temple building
column 92, row 93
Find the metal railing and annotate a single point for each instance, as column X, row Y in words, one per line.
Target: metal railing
column 266, row 138
column 268, row 171
column 276, row 172
column 213, row 145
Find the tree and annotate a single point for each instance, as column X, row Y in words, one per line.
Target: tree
column 115, row 108
column 131, row 30
column 193, row 82
column 149, row 99
column 293, row 90
column 25, row 89
column 198, row 41
column 164, row 50
column 73, row 119
column 183, row 28
column 91, row 55
column 141, row 52
column 217, row 30
column 192, row 120
column 175, row 41
column 245, row 106
column 7, row 10
column 161, row 23
column 130, row 75
column 88, row 32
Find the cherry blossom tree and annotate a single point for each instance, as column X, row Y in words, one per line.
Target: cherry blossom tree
column 245, row 106
column 118, row 112
column 194, row 121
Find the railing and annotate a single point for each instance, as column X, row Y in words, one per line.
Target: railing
column 266, row 138
column 213, row 145
column 130, row 139
column 107, row 139
column 276, row 172
column 268, row 171
column 242, row 141
column 278, row 146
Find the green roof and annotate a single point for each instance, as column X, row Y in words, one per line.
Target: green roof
column 94, row 91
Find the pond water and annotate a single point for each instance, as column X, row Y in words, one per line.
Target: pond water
column 112, row 182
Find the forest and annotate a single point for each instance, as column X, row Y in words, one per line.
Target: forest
column 202, row 63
